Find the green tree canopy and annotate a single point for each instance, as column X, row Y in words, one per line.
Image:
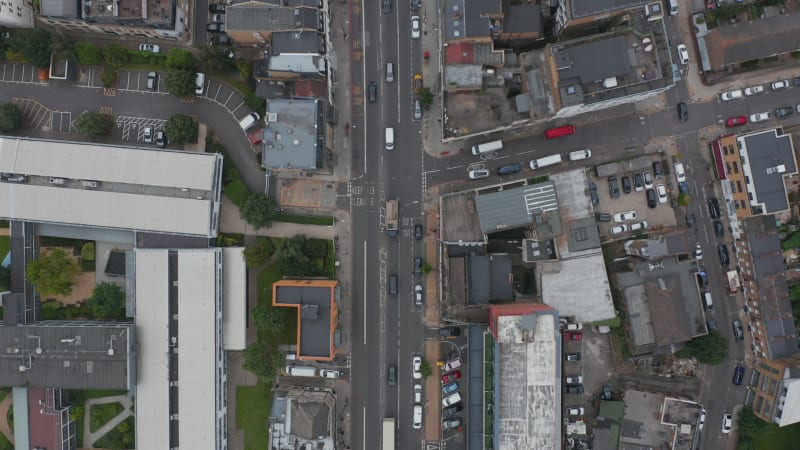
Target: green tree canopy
column 212, row 59
column 709, row 349
column 181, row 59
column 262, row 362
column 293, row 258
column 181, row 129
column 108, row 301
column 34, row 45
column 180, row 83
column 87, row 54
column 269, row 319
column 10, row 117
column 94, row 124
column 260, row 252
column 426, row 98
column 258, row 211
column 115, row 56
column 52, row 273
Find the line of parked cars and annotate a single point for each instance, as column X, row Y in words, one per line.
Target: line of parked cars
column 573, row 382
column 780, row 111
column 451, row 397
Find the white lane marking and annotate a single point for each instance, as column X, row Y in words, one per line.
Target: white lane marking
column 365, row 293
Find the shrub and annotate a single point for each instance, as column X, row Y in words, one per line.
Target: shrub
column 87, row 54
column 108, row 77
column 87, row 251
column 10, row 117
column 181, row 129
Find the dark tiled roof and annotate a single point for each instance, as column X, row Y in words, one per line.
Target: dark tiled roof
column 771, row 158
column 583, row 8
column 747, row 41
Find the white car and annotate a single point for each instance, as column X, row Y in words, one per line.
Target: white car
column 730, row 95
column 680, row 174
column 329, row 373
column 727, row 423
column 638, row 226
column 148, row 135
column 618, row 229
column 702, row 420
column 418, row 294
column 683, row 54
column 648, row 179
column 417, row 393
column 417, row 422
column 574, row 326
column 575, row 410
column 662, row 193
column 477, row 174
column 778, row 85
column 451, row 399
column 575, row 379
column 759, row 117
column 416, row 363
column 698, row 252
column 415, row 27
column 152, row 48
column 625, row 216
column 753, row 90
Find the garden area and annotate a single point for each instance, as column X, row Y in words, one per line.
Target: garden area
column 4, row 443
column 755, row 434
column 99, row 415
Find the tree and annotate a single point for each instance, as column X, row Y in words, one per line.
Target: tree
column 426, row 98
column 245, row 69
column 683, row 199
column 262, row 362
column 94, row 124
column 108, row 301
column 52, row 273
column 258, row 254
column 426, row 267
column 180, row 83
column 212, row 59
column 181, row 59
column 292, row 259
column 34, row 45
column 425, row 369
column 258, row 211
column 181, row 129
column 87, row 54
column 115, row 56
column 108, row 77
column 709, row 349
column 10, row 117
column 268, row 319
column 5, row 278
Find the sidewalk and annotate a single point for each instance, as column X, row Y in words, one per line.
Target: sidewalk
column 89, row 437
column 231, row 222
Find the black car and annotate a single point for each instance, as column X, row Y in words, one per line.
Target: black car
column 602, row 217
column 509, row 169
column 606, row 394
column 417, row 265
column 574, row 389
column 416, row 5
column 387, row 6
column 702, row 277
column 613, row 186
column 738, row 375
column 219, row 40
column 216, row 8
column 683, row 112
column 712, row 324
column 372, row 92
column 215, row 28
column 691, row 222
column 418, row 232
column 449, row 331
column 572, row 356
column 638, row 183
column 713, row 208
column 392, row 375
column 784, row 111
column 658, row 169
column 593, row 194
column 796, row 81
column 652, row 202
column 724, row 259
column 451, row 411
column 719, row 229
column 626, row 184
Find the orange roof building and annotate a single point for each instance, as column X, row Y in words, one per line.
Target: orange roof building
column 317, row 315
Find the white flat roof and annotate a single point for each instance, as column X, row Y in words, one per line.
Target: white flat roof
column 81, row 161
column 152, row 322
column 234, row 301
column 197, row 345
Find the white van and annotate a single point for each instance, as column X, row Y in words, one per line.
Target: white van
column 199, row 83
column 580, row 154
column 301, row 371
column 389, row 72
column 249, row 120
column 389, row 138
column 494, row 146
column 416, row 423
column 545, row 161
column 707, row 303
column 673, row 7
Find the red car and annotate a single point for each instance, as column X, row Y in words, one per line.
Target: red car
column 573, row 336
column 736, row 121
column 451, row 377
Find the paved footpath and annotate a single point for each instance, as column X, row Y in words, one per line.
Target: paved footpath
column 5, row 405
column 232, row 222
column 90, row 438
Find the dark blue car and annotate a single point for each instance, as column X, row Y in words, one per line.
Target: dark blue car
column 509, row 169
column 738, row 375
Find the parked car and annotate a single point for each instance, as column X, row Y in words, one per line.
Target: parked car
column 712, row 324
column 593, row 194
column 478, row 174
column 449, row 388
column 509, row 169
column 680, row 174
column 451, row 377
column 618, row 229
column 452, row 410
column 576, row 356
column 418, row 295
column 387, row 6
column 730, row 95
column 417, row 265
column 727, row 423
column 648, row 179
column 701, row 420
column 416, row 5
column 416, row 421
column 220, row 39
column 662, row 193
column 753, row 90
column 417, row 83
column 415, row 27
column 573, row 336
column 738, row 331
column 152, row 48
column 719, row 229
column 783, row 111
column 416, row 367
column 613, row 186
column 574, row 389
column 451, row 399
column 626, row 184
column 418, row 232
column 713, row 208
column 451, row 424
column 215, row 28
column 724, row 259
column 683, row 54
column 779, row 85
column 638, row 183
column 417, row 393
column 152, row 81
column 738, row 375
column 691, row 222
column 574, row 326
column 372, row 92
column 658, row 169
column 329, row 373
column 625, row 216
column 759, row 117
column 606, row 394
column 736, row 121
column 449, row 331
column 161, row 139
column 148, row 135
column 574, row 379
column 602, row 217
column 218, row 18
column 651, row 198
column 216, row 8
column 575, row 410
column 796, row 81
column 683, row 112
column 698, row 252
column 639, row 226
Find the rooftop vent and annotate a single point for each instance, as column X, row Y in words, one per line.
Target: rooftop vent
column 296, row 142
column 272, row 117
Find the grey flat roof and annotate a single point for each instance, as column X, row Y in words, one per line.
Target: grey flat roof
column 61, row 8
column 270, row 18
column 522, row 18
column 298, row 42
column 315, row 317
column 467, row 18
column 765, row 245
column 594, row 60
column 293, row 135
column 583, row 234
column 489, row 279
column 583, row 8
column 769, row 158
column 515, row 207
column 69, row 355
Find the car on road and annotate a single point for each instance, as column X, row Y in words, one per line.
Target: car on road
column 698, row 252
column 574, row 389
column 215, row 28
column 680, row 174
column 451, row 377
column 783, row 111
column 416, row 5
column 625, row 216
column 218, row 18
column 727, row 423
column 713, row 208
column 391, row 376
column 753, row 90
column 450, row 411
column 638, row 183
column 387, row 6
column 574, row 379
column 683, row 112
column 731, row 95
column 719, row 229
column 573, row 336
column 451, row 424
column 626, row 184
column 683, row 54
column 418, row 232
column 724, row 259
column 779, row 85
column 415, row 27
column 417, row 109
column 416, row 367
column 161, row 139
column 691, row 222
column 759, row 117
column 418, row 295
column 372, row 92
column 417, row 265
column 639, row 226
column 152, row 48
column 738, row 375
column 796, row 81
column 648, row 179
column 658, row 169
column 216, row 8
column 148, row 135
column 509, row 169
column 417, row 83
column 618, row 229
column 712, row 324
column 575, row 410
column 449, row 388
column 738, row 331
column 417, row 393
column 613, row 187
column 701, row 420
column 651, row 198
column 736, row 121
column 593, row 193
column 451, row 399
column 662, row 193
column 449, row 331
column 576, row 356
column 416, row 422
column 478, row 174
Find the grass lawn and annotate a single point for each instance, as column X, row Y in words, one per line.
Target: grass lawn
column 102, row 414
column 122, row 436
column 792, row 242
column 307, row 220
column 5, row 246
column 237, row 192
column 621, row 349
column 252, row 411
column 778, row 438
column 269, row 275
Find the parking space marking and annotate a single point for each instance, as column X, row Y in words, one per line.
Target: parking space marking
column 34, row 113
column 225, row 103
column 233, row 111
column 219, row 88
column 133, row 127
column 61, row 122
column 17, row 74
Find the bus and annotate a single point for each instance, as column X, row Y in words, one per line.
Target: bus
column 557, row 132
column 388, row 433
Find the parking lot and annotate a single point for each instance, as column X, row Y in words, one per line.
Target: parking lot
column 663, row 215
column 19, row 73
column 131, row 129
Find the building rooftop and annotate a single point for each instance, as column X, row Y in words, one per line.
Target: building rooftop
column 489, row 279
column 302, row 418
column 764, row 240
column 460, row 223
column 658, row 245
column 308, row 64
column 267, row 18
column 791, row 407
column 527, row 376
column 517, row 207
column 69, row 355
column 521, row 18
column 293, row 137
column 768, row 157
column 468, row 19
column 297, row 42
column 61, row 8
column 584, row 8
column 234, row 285
column 751, row 40
column 586, row 297
column 642, row 426
column 315, row 307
